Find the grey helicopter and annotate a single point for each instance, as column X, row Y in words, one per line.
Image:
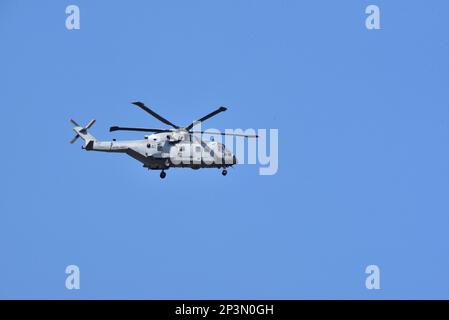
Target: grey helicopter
column 175, row 147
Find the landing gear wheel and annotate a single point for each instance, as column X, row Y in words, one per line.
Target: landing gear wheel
column 224, row 172
column 163, row 174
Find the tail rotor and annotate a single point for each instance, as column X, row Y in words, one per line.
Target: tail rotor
column 81, row 132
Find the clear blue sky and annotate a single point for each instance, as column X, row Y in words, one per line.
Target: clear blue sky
column 363, row 119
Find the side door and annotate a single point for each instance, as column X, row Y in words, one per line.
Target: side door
column 196, row 151
column 184, row 153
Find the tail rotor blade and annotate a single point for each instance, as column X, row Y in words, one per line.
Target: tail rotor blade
column 74, row 139
column 74, row 123
column 90, row 124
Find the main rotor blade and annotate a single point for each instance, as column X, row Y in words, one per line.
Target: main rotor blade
column 210, row 115
column 154, row 114
column 227, row 134
column 116, row 128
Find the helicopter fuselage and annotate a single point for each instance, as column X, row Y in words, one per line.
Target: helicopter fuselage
column 165, row 148
column 161, row 151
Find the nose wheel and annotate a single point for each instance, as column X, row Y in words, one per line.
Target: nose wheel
column 163, row 174
column 224, row 172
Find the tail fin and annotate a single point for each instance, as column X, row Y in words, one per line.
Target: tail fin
column 82, row 132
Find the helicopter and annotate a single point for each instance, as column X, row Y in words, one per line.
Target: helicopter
column 175, row 147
